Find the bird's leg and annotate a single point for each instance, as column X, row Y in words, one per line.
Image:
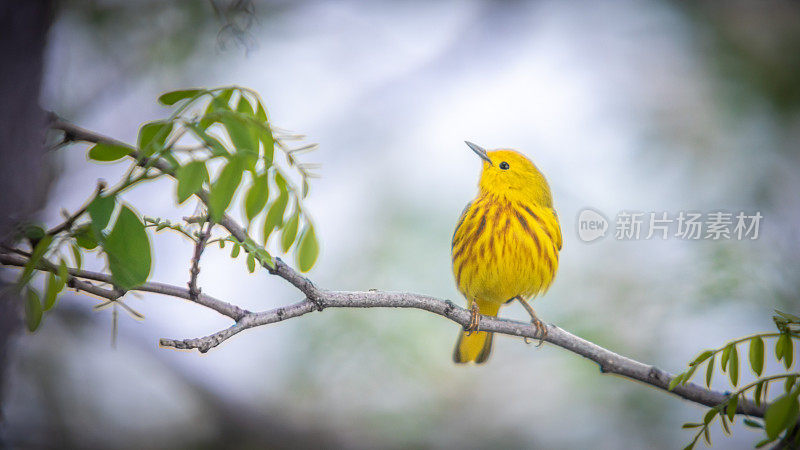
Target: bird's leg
column 474, row 320
column 541, row 328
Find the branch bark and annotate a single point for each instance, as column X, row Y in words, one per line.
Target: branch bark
column 200, row 246
column 318, row 299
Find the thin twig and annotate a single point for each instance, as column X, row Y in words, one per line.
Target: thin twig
column 67, row 224
column 202, row 239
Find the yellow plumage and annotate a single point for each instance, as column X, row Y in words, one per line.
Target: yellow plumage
column 506, row 242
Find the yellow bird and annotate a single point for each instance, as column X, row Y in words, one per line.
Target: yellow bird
column 505, row 246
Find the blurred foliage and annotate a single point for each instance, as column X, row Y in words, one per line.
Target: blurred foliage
column 758, row 47
column 174, row 37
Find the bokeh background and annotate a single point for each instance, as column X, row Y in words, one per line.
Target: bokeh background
column 646, row 105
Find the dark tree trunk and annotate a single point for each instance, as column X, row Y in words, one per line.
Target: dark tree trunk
column 23, row 180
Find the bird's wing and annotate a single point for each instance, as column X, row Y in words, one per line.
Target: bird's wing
column 461, row 219
column 558, row 230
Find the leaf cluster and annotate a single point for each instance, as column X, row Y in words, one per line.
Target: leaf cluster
column 223, row 131
column 782, row 412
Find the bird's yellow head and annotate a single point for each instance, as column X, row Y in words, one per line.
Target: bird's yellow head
column 509, row 174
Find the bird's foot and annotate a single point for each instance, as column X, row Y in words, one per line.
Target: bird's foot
column 474, row 320
column 541, row 327
column 541, row 330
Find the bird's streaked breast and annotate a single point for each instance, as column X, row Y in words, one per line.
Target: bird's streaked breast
column 503, row 248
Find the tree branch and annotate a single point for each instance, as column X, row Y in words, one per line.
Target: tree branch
column 75, row 133
column 608, row 361
column 317, row 299
column 77, row 278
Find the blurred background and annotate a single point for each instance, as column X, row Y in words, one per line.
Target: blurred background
column 647, row 105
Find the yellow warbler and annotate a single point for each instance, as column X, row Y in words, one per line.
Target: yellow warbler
column 505, row 246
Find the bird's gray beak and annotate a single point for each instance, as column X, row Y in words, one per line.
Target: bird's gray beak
column 479, row 151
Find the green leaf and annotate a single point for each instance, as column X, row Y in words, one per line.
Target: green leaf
column 34, row 233
column 191, row 177
column 757, row 394
column 794, row 411
column 780, row 344
column 170, row 98
column 689, row 373
column 779, row 414
column 257, row 196
column 264, row 257
column 153, row 136
column 54, row 286
column 268, row 141
column 251, row 143
column 307, row 250
column 251, row 262
column 100, row 210
column 726, row 354
column 224, row 188
column 763, row 442
column 752, row 423
column 224, row 96
column 709, row 371
column 33, row 310
column 36, row 256
column 733, row 366
column 691, row 425
column 76, row 255
column 723, row 421
column 235, row 250
column 261, row 113
column 85, row 237
column 788, row 317
column 128, row 250
column 108, row 152
column 275, row 214
column 212, row 143
column 702, row 357
column 789, row 382
column 757, row 354
column 241, row 132
column 732, row 404
column 63, row 271
column 290, row 230
column 170, row 158
column 788, row 351
column 218, row 103
column 710, row 416
column 244, row 106
column 265, row 134
column 675, row 381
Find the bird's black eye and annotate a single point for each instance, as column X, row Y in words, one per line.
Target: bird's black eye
column 504, row 165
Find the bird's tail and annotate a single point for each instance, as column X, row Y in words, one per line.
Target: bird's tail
column 477, row 346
